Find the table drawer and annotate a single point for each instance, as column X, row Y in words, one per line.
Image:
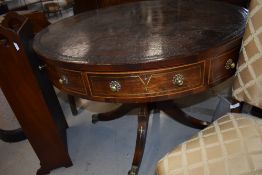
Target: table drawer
column 223, row 66
column 67, row 80
column 147, row 83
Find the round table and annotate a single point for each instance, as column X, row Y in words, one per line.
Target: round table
column 144, row 55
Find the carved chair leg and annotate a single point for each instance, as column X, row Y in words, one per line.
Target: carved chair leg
column 111, row 115
column 72, row 104
column 12, row 135
column 143, row 118
column 177, row 114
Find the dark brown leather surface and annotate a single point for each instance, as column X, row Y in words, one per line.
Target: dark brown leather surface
column 141, row 32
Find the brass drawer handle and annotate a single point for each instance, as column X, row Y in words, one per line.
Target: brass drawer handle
column 230, row 64
column 63, row 80
column 115, row 86
column 178, row 80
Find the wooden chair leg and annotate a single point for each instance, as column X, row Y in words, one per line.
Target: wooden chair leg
column 143, row 118
column 72, row 104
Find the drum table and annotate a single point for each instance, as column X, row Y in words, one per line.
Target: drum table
column 143, row 55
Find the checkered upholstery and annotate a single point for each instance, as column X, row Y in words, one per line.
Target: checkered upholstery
column 248, row 82
column 232, row 145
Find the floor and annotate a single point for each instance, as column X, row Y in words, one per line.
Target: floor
column 106, row 148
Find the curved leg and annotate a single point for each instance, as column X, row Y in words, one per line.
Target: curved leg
column 175, row 113
column 143, row 118
column 111, row 115
column 12, row 135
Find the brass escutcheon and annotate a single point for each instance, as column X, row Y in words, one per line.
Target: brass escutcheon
column 178, row 80
column 230, row 64
column 115, row 86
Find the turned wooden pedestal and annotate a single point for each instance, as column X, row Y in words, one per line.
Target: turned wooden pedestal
column 167, row 107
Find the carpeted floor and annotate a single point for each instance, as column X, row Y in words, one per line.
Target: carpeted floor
column 106, row 148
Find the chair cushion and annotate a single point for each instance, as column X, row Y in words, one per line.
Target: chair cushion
column 232, row 145
column 248, row 82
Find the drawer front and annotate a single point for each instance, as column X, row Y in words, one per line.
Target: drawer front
column 147, row 83
column 223, row 66
column 67, row 80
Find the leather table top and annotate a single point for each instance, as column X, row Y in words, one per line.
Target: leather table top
column 141, row 32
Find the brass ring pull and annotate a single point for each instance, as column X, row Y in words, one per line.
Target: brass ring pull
column 230, row 64
column 178, row 80
column 115, row 86
column 63, row 80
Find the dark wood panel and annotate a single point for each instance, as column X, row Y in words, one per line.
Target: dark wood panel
column 242, row 3
column 86, row 5
column 107, row 3
column 31, row 96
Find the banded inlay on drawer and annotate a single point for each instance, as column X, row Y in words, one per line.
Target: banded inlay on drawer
column 223, row 66
column 68, row 80
column 148, row 83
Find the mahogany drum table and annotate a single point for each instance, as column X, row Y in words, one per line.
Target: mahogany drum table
column 144, row 55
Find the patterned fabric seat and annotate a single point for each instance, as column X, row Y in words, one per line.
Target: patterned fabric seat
column 232, row 145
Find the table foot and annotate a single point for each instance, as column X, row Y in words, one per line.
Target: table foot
column 114, row 114
column 12, row 135
column 143, row 118
column 177, row 114
column 133, row 171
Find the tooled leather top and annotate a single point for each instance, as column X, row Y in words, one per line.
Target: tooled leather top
column 141, row 32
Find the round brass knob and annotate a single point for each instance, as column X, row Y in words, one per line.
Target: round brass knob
column 178, row 80
column 63, row 80
column 230, row 64
column 115, row 86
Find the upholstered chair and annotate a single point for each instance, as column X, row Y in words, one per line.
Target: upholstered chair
column 232, row 145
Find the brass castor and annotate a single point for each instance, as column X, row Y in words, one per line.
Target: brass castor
column 133, row 171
